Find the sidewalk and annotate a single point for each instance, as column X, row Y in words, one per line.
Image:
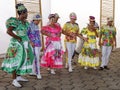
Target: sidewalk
column 80, row 79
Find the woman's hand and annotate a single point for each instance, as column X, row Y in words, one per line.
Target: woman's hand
column 11, row 33
column 100, row 43
column 19, row 39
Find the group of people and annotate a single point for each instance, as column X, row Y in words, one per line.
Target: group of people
column 23, row 53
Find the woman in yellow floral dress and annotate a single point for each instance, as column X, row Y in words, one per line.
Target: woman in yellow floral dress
column 89, row 56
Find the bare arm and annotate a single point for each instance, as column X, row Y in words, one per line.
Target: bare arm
column 115, row 42
column 10, row 32
column 96, row 33
column 66, row 33
column 100, row 40
column 45, row 33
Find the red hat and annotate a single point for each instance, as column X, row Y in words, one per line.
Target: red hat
column 91, row 18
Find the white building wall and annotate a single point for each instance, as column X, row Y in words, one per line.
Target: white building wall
column 63, row 7
column 117, row 20
column 83, row 9
column 7, row 9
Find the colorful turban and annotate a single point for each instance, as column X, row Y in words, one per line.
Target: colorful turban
column 20, row 8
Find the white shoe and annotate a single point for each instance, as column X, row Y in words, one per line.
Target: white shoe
column 86, row 68
column 19, row 78
column 48, row 69
column 94, row 68
column 32, row 74
column 39, row 77
column 70, row 69
column 52, row 71
column 66, row 65
column 16, row 83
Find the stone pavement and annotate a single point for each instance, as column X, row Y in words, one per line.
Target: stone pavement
column 80, row 79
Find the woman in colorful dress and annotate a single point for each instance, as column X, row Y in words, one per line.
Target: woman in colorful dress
column 19, row 56
column 34, row 36
column 89, row 56
column 53, row 52
column 107, row 41
column 81, row 42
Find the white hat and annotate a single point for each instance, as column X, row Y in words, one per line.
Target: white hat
column 36, row 17
column 73, row 15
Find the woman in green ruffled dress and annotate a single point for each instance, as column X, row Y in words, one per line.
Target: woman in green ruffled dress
column 19, row 57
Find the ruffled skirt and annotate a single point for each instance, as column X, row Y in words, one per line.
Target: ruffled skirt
column 89, row 56
column 18, row 59
column 53, row 55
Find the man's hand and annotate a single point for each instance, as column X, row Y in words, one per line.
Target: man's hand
column 100, row 43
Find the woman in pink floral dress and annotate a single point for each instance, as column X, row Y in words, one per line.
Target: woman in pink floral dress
column 53, row 53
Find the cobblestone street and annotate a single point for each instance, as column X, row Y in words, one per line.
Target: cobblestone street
column 80, row 79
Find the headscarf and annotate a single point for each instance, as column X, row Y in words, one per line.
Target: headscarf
column 21, row 8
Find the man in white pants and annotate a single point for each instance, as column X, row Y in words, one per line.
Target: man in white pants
column 71, row 31
column 34, row 36
column 107, row 40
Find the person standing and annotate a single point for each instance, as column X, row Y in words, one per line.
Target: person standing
column 19, row 56
column 89, row 56
column 80, row 41
column 71, row 31
column 107, row 41
column 34, row 36
column 53, row 53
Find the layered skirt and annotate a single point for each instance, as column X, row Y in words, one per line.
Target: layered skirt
column 18, row 58
column 89, row 56
column 53, row 55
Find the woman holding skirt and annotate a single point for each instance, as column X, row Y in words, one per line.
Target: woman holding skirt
column 53, row 52
column 19, row 56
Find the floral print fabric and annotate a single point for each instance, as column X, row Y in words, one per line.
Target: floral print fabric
column 108, row 34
